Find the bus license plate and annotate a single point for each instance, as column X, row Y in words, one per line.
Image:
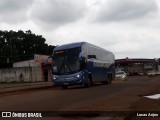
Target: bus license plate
column 65, row 83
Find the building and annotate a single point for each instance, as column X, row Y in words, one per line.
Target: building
column 135, row 66
column 38, row 70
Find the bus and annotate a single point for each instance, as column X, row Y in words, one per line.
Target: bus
column 81, row 63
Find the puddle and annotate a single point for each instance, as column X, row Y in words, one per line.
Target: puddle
column 156, row 96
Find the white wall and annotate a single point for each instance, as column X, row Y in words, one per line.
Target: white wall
column 158, row 67
column 37, row 74
column 21, row 74
column 28, row 63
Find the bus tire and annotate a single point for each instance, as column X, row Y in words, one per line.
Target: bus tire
column 64, row 87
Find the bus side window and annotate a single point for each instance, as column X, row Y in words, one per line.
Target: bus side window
column 92, row 56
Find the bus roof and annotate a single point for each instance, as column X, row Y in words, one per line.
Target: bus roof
column 70, row 45
column 76, row 44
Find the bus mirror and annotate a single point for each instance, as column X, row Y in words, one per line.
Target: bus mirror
column 81, row 54
column 81, row 59
column 50, row 61
column 82, row 62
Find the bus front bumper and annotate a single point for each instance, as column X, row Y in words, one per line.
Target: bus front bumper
column 68, row 81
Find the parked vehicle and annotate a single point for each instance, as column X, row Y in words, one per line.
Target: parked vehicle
column 121, row 75
column 141, row 73
column 151, row 73
column 158, row 73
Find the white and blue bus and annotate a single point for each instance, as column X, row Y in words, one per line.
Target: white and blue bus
column 82, row 63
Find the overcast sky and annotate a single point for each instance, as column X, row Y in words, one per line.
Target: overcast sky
column 128, row 28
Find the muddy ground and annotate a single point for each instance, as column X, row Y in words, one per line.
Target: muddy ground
column 131, row 99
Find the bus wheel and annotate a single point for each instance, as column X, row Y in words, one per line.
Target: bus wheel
column 64, row 87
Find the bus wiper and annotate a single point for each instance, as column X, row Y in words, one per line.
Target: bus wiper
column 61, row 66
column 69, row 67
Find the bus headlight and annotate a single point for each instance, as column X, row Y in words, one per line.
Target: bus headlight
column 77, row 76
column 55, row 77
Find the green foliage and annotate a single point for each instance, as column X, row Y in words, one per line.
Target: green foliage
column 159, row 61
column 19, row 46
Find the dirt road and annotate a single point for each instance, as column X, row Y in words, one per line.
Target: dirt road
column 120, row 96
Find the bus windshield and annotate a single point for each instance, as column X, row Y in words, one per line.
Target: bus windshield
column 66, row 61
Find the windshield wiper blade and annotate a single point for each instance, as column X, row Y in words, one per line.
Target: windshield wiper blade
column 61, row 66
column 69, row 67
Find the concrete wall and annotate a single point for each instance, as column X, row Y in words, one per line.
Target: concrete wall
column 29, row 63
column 36, row 74
column 159, row 68
column 21, row 74
column 26, row 71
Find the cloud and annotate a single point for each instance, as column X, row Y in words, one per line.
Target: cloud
column 120, row 10
column 52, row 13
column 132, row 25
column 14, row 11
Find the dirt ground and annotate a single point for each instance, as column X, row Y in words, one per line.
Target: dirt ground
column 120, row 97
column 132, row 100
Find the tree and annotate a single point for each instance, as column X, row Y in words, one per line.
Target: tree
column 19, row 46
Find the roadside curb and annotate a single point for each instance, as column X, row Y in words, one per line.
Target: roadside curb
column 11, row 89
